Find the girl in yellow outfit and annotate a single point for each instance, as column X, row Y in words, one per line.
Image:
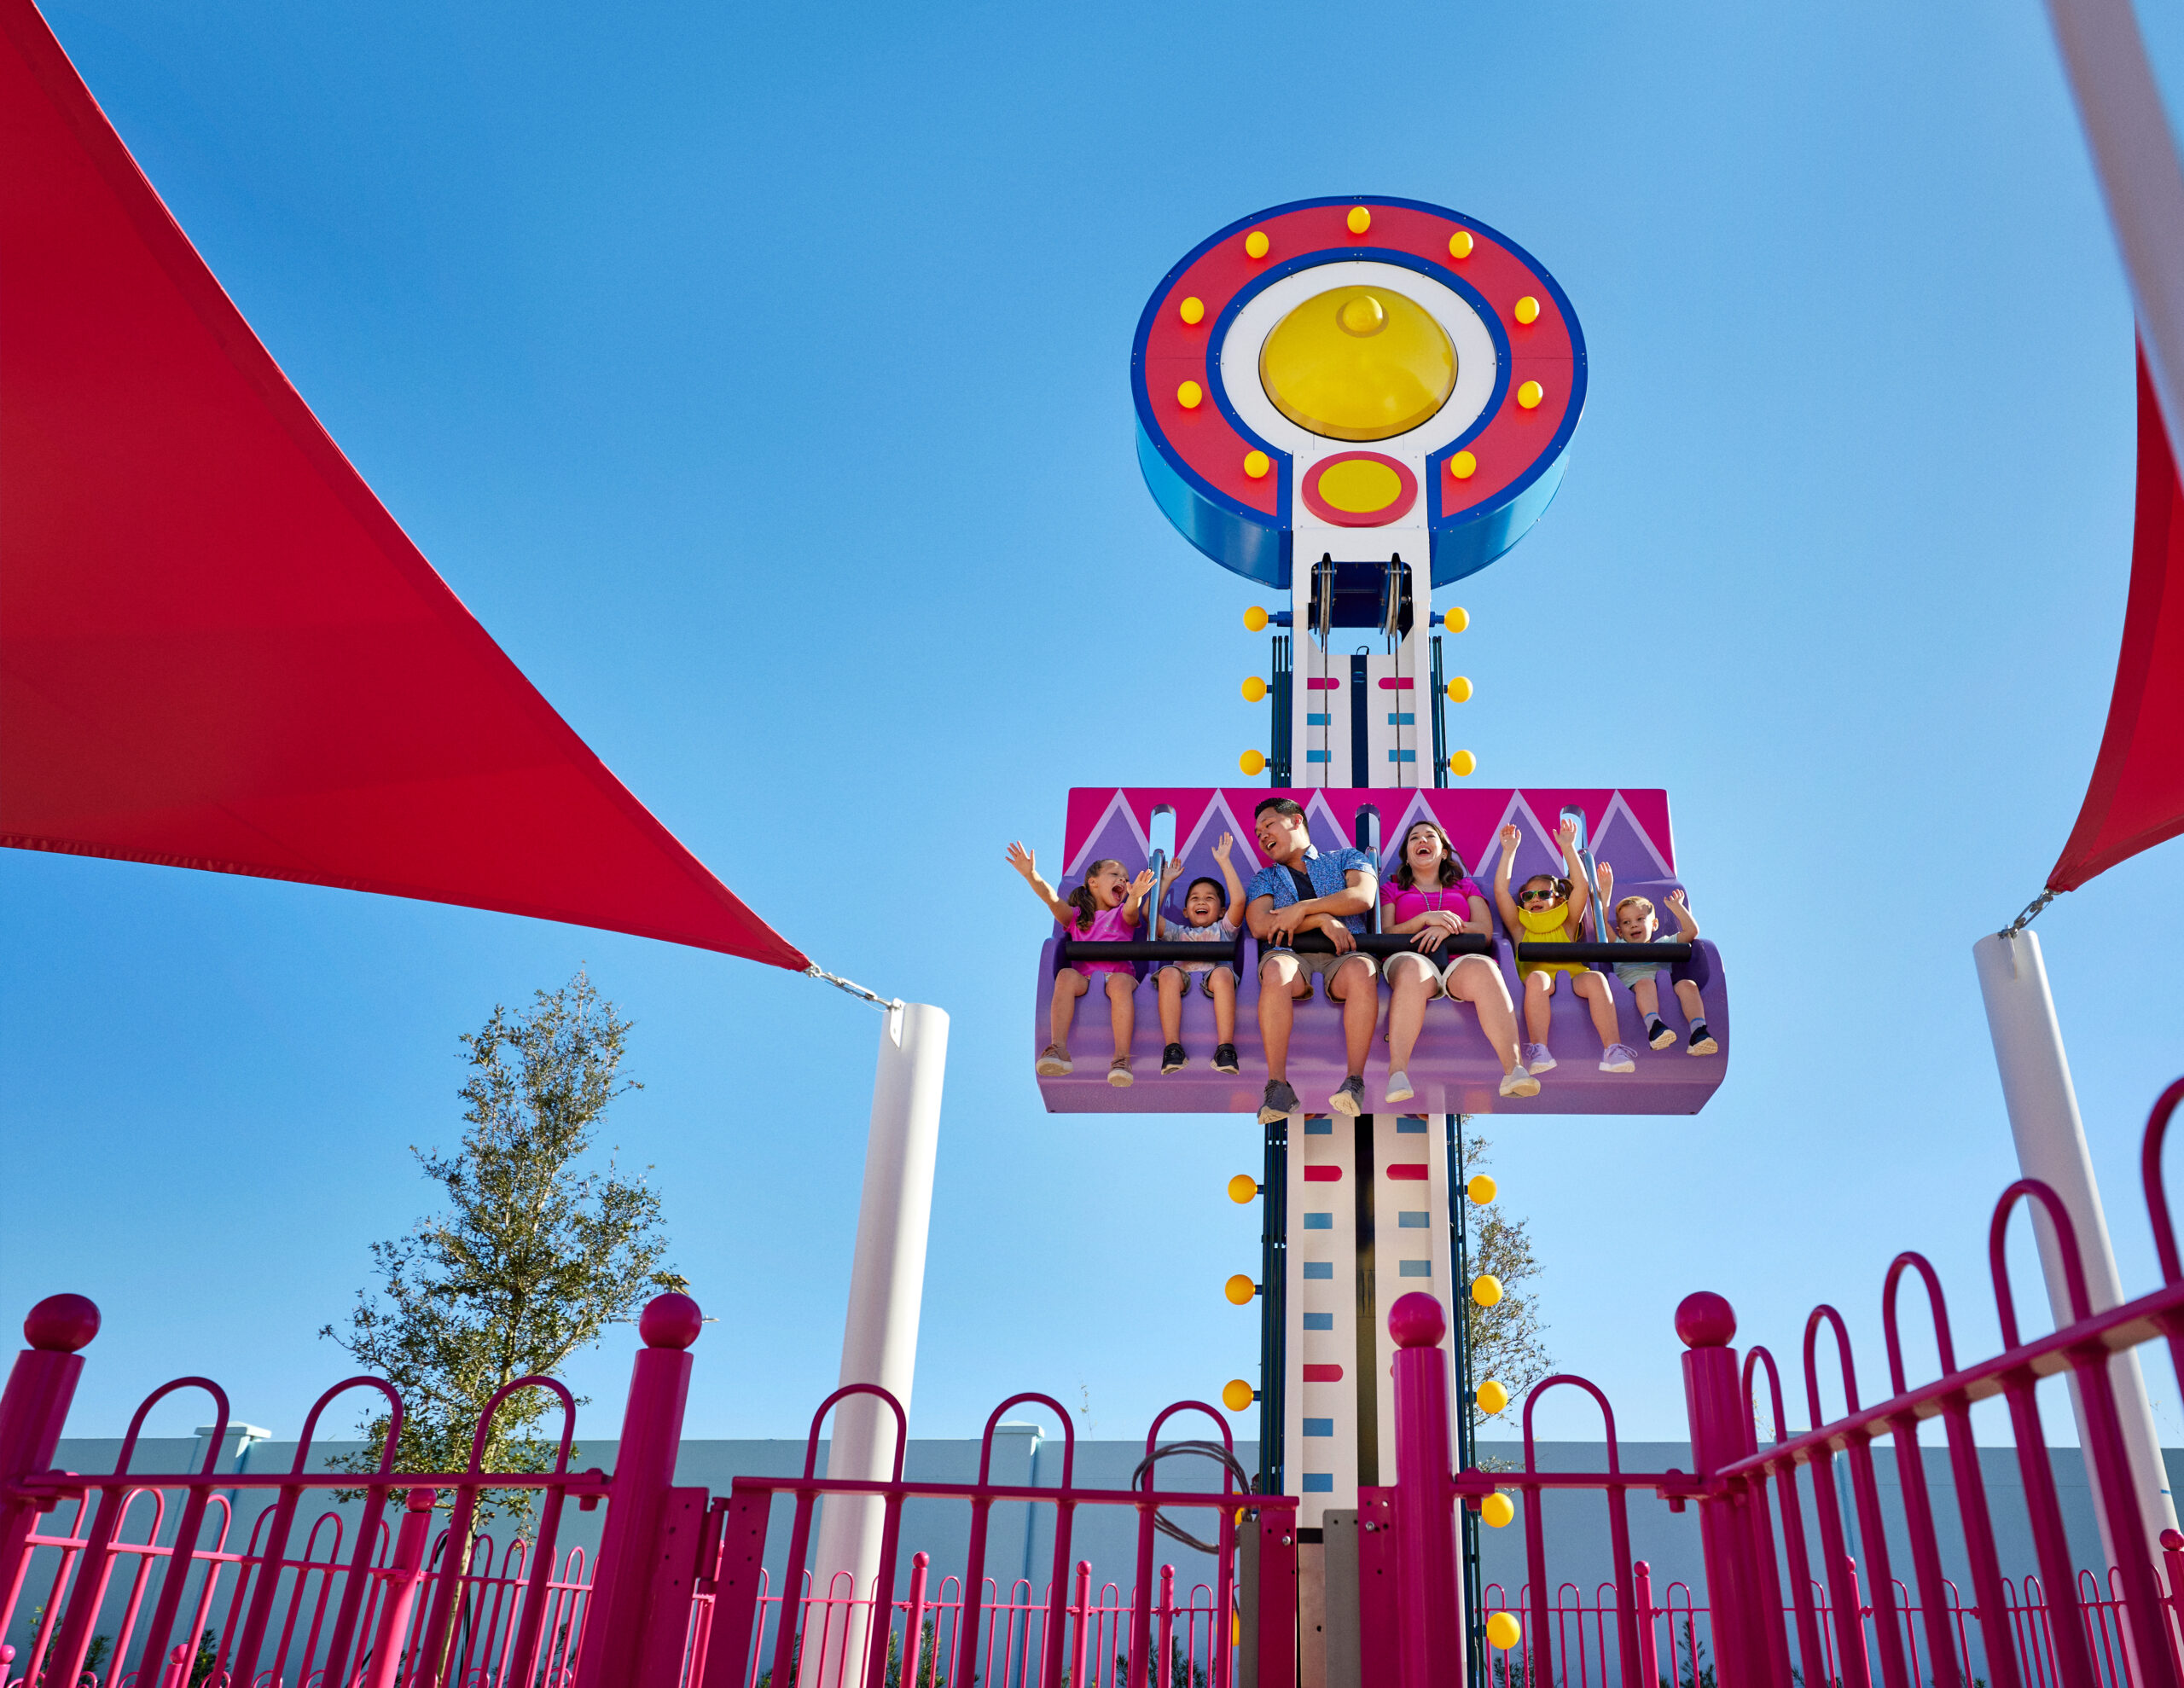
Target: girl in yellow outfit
column 1546, row 909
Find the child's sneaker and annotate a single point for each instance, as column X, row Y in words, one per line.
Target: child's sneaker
column 1702, row 1041
column 1537, row 1059
column 1118, row 1073
column 1518, row 1082
column 1172, row 1060
column 1054, row 1061
column 1399, row 1088
column 1659, row 1033
column 1619, row 1057
column 1279, row 1102
column 1224, row 1057
column 1350, row 1098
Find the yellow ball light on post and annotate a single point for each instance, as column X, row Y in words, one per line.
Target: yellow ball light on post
column 1239, row 1289
column 1463, row 465
column 1481, row 1189
column 1529, row 394
column 1254, row 619
column 1460, row 244
column 1486, row 1289
column 1492, row 1397
column 1456, row 619
column 1191, row 395
column 1243, row 1189
column 1463, row 765
column 1255, row 244
column 1460, row 690
column 1358, row 221
column 1256, row 464
column 1192, row 311
column 1527, row 309
column 1251, row 763
column 1236, row 1395
column 1503, row 1631
column 1254, row 689
column 1498, row 1509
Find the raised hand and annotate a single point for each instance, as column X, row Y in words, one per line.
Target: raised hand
column 1170, row 874
column 1220, row 849
column 1142, row 884
column 1675, row 900
column 1568, row 831
column 1511, row 837
column 1023, row 861
column 1607, row 878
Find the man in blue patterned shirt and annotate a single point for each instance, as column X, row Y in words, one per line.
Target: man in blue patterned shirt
column 1304, row 889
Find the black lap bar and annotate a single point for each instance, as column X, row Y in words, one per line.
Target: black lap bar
column 1604, row 952
column 1395, row 944
column 1069, row 949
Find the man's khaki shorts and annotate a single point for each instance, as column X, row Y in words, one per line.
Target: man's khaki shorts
column 1318, row 966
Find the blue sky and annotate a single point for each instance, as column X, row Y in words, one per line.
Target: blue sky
column 759, row 377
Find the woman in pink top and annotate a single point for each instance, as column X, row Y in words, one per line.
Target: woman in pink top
column 1430, row 895
column 1105, row 909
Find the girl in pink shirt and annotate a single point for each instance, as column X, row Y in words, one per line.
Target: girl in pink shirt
column 1107, row 907
column 1429, row 895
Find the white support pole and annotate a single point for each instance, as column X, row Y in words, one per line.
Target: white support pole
column 2051, row 1147
column 880, row 1337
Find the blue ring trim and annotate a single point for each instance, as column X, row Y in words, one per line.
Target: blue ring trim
column 1240, row 538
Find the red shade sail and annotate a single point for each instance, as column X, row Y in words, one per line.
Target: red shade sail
column 2136, row 798
column 216, row 648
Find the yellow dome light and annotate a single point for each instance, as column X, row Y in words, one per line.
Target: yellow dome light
column 1358, row 364
column 1485, row 1289
column 1251, row 763
column 1463, row 765
column 1254, row 689
column 1460, row 690
column 1503, row 1631
column 1358, row 221
column 1529, row 395
column 1455, row 618
column 1527, row 309
column 1243, row 1189
column 1256, row 464
column 1191, row 395
column 1463, row 465
column 1236, row 1395
column 1255, row 244
column 1254, row 619
column 1239, row 1289
column 1499, row 1511
column 1481, row 1189
column 1193, row 310
column 1491, row 1397
column 1460, row 244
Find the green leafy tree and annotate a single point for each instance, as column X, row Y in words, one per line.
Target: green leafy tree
column 1506, row 1339
column 538, row 1247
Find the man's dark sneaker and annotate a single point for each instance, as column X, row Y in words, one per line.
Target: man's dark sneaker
column 1279, row 1102
column 1224, row 1057
column 1172, row 1058
column 1351, row 1097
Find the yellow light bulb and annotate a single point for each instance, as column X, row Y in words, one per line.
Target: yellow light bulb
column 1492, row 1397
column 1254, row 689
column 1527, row 309
column 1481, row 1189
column 1251, row 763
column 1497, row 1510
column 1529, row 395
column 1239, row 1289
column 1191, row 395
column 1460, row 244
column 1236, row 1395
column 1358, row 364
column 1460, row 690
column 1192, row 311
column 1503, row 1631
column 1485, row 1289
column 1359, row 220
column 1463, row 765
column 1254, row 619
column 1463, row 465
column 1456, row 620
column 1255, row 244
column 1243, row 1189
column 1257, row 463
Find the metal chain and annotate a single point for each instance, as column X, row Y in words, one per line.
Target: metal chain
column 888, row 1004
column 2031, row 913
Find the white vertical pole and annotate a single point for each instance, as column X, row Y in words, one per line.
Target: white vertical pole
column 2134, row 156
column 880, row 1337
column 2051, row 1147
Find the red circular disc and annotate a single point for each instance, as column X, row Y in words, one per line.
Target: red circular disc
column 1370, row 490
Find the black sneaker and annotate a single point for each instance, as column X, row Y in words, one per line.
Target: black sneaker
column 1224, row 1057
column 1279, row 1102
column 1659, row 1033
column 1172, row 1058
column 1350, row 1098
column 1702, row 1041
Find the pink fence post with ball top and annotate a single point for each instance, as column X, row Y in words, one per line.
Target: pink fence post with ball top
column 32, row 1408
column 1715, row 1404
column 1430, row 1636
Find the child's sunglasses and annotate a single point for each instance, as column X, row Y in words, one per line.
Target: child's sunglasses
column 1529, row 895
